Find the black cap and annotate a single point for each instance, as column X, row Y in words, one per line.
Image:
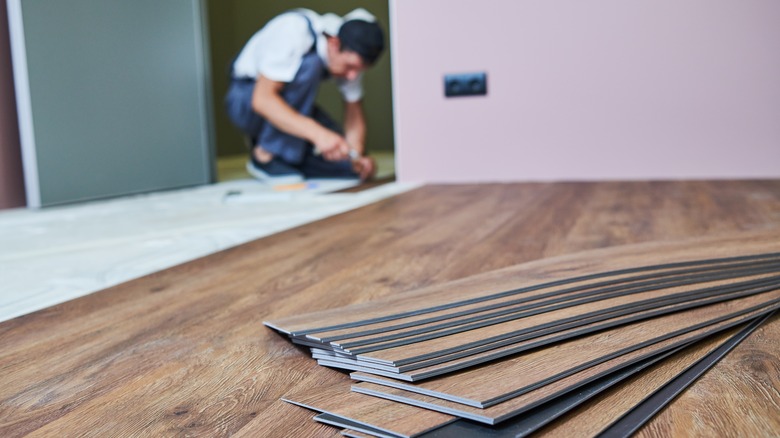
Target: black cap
column 364, row 38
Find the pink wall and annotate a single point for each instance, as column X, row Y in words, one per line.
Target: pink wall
column 604, row 89
column 11, row 176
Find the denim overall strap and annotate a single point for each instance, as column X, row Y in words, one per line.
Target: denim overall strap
column 299, row 93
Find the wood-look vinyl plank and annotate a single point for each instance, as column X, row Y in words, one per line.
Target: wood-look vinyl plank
column 537, row 418
column 546, row 272
column 387, row 416
column 384, row 332
column 610, row 317
column 518, row 405
column 506, row 327
column 475, row 356
column 491, row 383
column 638, row 394
column 416, row 337
column 531, row 292
column 504, row 348
column 355, row 429
column 640, row 414
column 438, row 346
column 444, row 364
column 388, row 330
column 736, row 397
column 357, row 434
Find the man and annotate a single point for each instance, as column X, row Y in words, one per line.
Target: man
column 275, row 79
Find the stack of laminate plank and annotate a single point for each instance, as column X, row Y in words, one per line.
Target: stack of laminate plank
column 539, row 345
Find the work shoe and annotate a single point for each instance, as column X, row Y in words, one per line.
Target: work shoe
column 274, row 172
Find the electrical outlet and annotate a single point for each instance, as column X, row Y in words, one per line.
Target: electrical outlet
column 465, row 84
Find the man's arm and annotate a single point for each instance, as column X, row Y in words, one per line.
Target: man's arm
column 355, row 126
column 267, row 101
column 355, row 131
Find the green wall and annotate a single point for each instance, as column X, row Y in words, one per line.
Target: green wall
column 232, row 22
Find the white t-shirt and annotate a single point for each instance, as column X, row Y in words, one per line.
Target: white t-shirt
column 277, row 50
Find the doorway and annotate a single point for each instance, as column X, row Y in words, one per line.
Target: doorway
column 232, row 22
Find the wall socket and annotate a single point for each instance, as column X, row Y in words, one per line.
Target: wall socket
column 465, row 84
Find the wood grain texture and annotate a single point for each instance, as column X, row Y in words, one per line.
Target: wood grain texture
column 488, row 384
column 356, row 434
column 347, row 339
column 536, row 419
column 536, row 396
column 593, row 417
column 740, row 395
column 515, row 345
column 418, row 346
column 523, row 280
column 182, row 351
column 347, row 425
column 395, row 418
column 443, row 345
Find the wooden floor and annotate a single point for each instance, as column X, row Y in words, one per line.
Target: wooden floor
column 184, row 351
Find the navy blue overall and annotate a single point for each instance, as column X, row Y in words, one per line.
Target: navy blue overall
column 299, row 94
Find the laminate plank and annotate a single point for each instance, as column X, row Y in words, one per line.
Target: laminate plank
column 391, row 418
column 357, row 434
column 593, row 419
column 628, row 313
column 347, row 339
column 479, row 355
column 533, row 419
column 606, row 387
column 441, row 345
column 356, row 428
column 522, row 403
column 629, row 423
column 531, row 275
column 488, row 384
column 453, row 362
column 325, row 362
column 739, row 396
column 569, row 314
column 542, row 294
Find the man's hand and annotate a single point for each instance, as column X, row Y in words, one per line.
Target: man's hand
column 364, row 166
column 331, row 145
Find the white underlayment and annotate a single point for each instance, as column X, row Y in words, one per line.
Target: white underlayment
column 57, row 254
